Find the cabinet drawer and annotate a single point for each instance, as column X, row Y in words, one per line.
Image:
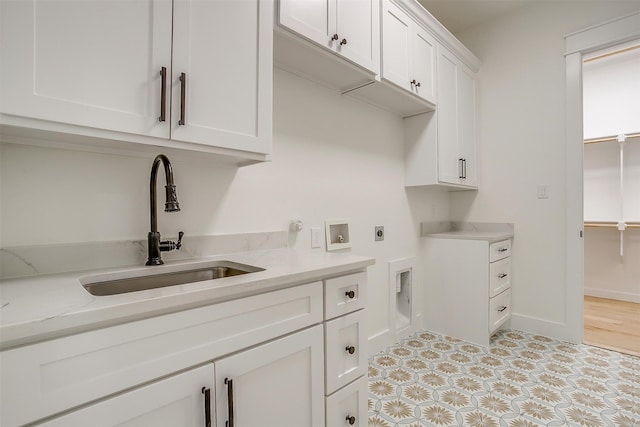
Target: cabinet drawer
column 349, row 404
column 499, row 276
column 56, row 375
column 345, row 294
column 499, row 250
column 499, row 310
column 345, row 344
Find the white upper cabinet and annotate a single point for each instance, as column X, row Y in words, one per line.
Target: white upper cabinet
column 456, row 121
column 222, row 73
column 349, row 28
column 440, row 146
column 88, row 63
column 117, row 66
column 408, row 53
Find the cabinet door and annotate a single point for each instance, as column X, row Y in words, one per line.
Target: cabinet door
column 175, row 401
column 92, row 63
column 223, row 49
column 396, row 45
column 313, row 19
column 358, row 29
column 278, row 384
column 467, row 123
column 449, row 159
column 424, row 63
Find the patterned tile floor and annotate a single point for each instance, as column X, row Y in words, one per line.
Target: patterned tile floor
column 521, row 380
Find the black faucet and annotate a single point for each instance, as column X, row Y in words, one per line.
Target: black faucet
column 155, row 245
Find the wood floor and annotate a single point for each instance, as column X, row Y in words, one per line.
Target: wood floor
column 612, row 324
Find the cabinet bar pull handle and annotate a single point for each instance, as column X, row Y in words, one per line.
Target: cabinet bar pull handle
column 502, row 275
column 502, row 308
column 229, row 383
column 503, row 250
column 207, row 406
column 464, row 164
column 350, row 294
column 351, row 419
column 183, row 98
column 350, row 349
column 163, row 94
column 460, row 168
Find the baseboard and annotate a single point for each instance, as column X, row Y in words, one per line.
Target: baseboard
column 609, row 294
column 379, row 341
column 547, row 328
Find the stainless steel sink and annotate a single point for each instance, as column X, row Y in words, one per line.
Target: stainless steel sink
column 212, row 270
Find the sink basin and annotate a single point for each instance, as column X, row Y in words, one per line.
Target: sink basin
column 207, row 271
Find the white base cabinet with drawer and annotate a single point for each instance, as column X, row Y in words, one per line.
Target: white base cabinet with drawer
column 346, row 351
column 468, row 292
column 255, row 361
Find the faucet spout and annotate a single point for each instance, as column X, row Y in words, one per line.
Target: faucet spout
column 155, row 246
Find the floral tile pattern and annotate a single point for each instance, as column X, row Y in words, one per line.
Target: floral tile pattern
column 521, row 380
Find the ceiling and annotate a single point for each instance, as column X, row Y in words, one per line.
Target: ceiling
column 459, row 15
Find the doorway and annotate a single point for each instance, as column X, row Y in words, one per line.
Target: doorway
column 611, row 85
column 578, row 45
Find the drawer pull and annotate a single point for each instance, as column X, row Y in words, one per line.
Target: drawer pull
column 503, row 250
column 351, row 419
column 207, row 406
column 502, row 275
column 502, row 308
column 335, row 37
column 351, row 349
column 231, row 421
column 350, row 294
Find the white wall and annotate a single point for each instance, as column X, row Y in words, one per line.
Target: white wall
column 334, row 157
column 521, row 128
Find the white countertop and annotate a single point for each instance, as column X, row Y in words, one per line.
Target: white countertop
column 43, row 307
column 489, row 236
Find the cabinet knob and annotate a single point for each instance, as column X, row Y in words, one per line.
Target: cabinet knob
column 350, row 294
column 351, row 349
column 343, row 42
column 415, row 83
column 335, row 37
column 351, row 419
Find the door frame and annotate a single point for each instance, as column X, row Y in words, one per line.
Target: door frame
column 607, row 34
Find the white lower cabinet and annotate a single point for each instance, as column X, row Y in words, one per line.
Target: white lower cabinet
column 253, row 361
column 278, row 384
column 175, row 401
column 469, row 292
column 345, row 341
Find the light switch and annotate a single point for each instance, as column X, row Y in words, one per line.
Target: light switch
column 315, row 237
column 543, row 191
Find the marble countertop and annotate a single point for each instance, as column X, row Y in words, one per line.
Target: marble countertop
column 489, row 236
column 44, row 307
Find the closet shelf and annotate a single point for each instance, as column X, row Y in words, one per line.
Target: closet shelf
column 610, row 138
column 611, row 224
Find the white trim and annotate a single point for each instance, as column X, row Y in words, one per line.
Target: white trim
column 596, row 37
column 609, row 294
column 379, row 341
column 600, row 36
column 548, row 328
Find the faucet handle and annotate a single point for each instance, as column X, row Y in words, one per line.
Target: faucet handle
column 179, row 243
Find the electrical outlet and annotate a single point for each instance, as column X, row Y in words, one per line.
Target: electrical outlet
column 379, row 233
